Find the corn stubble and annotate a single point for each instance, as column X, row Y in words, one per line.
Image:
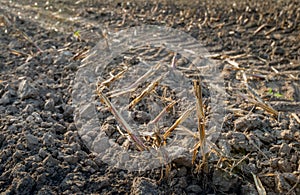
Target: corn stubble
column 157, row 138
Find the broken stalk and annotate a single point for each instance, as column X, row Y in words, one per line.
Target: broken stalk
column 140, row 145
column 145, row 92
column 113, row 78
column 158, row 117
column 182, row 118
column 201, row 120
column 134, row 85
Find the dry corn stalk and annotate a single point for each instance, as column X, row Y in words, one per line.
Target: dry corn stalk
column 201, row 121
column 134, row 136
column 173, row 63
column 158, row 117
column 296, row 117
column 264, row 106
column 260, row 188
column 182, row 118
column 257, row 101
column 134, row 85
column 113, row 78
column 145, row 92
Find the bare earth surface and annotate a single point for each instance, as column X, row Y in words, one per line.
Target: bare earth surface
column 257, row 44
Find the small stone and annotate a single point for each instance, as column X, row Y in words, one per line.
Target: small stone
column 74, row 147
column 71, row 159
column 48, row 139
column 2, row 109
column 50, row 161
column 59, row 128
column 11, row 110
column 83, row 155
column 37, row 117
column 42, row 153
column 87, row 111
column 26, row 90
column 46, row 124
column 5, row 99
column 89, row 162
column 35, row 158
column 29, row 108
column 49, row 105
column 110, row 120
column 173, row 181
column 32, row 141
column 284, row 150
column 21, row 146
column 30, row 118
